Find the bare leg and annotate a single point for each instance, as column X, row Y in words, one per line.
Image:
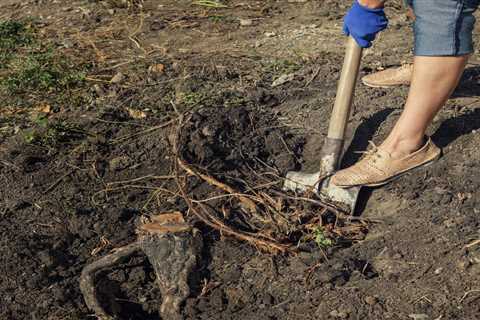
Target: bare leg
column 433, row 81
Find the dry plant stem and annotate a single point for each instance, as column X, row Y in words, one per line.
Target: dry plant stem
column 267, row 245
column 53, row 185
column 332, row 208
column 249, row 204
column 467, row 293
column 472, row 244
column 208, row 218
column 163, row 125
column 150, row 176
column 87, row 278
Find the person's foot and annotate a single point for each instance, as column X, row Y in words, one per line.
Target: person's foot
column 389, row 77
column 378, row 167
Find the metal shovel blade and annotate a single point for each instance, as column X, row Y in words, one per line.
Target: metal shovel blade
column 343, row 198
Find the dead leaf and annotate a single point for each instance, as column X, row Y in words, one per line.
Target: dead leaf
column 156, row 68
column 118, row 78
column 166, row 223
column 136, row 114
column 284, row 78
column 46, row 108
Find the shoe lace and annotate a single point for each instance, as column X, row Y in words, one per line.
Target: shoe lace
column 369, row 152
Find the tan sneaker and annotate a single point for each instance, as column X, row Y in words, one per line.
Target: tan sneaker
column 378, row 167
column 389, row 77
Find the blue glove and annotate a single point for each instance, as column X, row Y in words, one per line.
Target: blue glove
column 363, row 23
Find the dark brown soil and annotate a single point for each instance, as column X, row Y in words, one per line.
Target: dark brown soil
column 79, row 189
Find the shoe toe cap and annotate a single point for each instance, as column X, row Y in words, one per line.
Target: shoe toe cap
column 342, row 178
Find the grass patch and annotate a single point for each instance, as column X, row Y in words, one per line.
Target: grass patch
column 41, row 70
column 192, row 99
column 13, row 35
column 51, row 134
column 280, row 67
column 32, row 68
column 216, row 18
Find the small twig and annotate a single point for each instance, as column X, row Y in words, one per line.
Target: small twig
column 150, row 176
column 472, row 244
column 210, row 3
column 467, row 293
column 53, row 185
column 117, row 65
column 96, row 80
column 229, row 195
column 130, row 186
column 119, row 122
column 9, row 164
column 315, row 74
column 174, row 106
column 163, row 125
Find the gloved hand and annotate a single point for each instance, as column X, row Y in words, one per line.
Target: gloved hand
column 363, row 23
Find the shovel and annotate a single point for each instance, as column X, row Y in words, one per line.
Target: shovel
column 319, row 182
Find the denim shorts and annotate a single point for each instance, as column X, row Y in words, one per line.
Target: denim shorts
column 443, row 27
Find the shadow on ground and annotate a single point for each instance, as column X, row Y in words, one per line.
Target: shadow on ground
column 469, row 84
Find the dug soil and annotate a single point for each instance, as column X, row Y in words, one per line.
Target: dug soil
column 170, row 81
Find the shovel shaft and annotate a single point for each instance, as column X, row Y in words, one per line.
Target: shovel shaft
column 333, row 146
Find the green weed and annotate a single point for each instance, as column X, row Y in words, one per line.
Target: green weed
column 216, row 19
column 321, row 239
column 49, row 134
column 191, row 99
column 31, row 68
column 42, row 71
column 281, row 66
column 13, row 35
column 235, row 101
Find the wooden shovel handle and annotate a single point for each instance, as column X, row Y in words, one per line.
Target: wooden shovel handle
column 333, row 146
column 345, row 90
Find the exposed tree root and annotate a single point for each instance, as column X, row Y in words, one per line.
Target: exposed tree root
column 171, row 246
column 247, row 203
column 87, row 278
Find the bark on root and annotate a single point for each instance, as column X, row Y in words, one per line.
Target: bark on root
column 171, row 246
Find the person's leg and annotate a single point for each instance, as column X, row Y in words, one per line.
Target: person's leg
column 433, row 81
column 443, row 42
column 393, row 76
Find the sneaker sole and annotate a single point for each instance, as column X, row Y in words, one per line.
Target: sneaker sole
column 384, row 86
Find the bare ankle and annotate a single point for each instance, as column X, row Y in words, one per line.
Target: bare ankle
column 399, row 147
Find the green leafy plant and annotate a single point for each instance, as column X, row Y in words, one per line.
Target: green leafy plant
column 13, row 35
column 216, row 18
column 281, row 66
column 321, row 239
column 191, row 99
